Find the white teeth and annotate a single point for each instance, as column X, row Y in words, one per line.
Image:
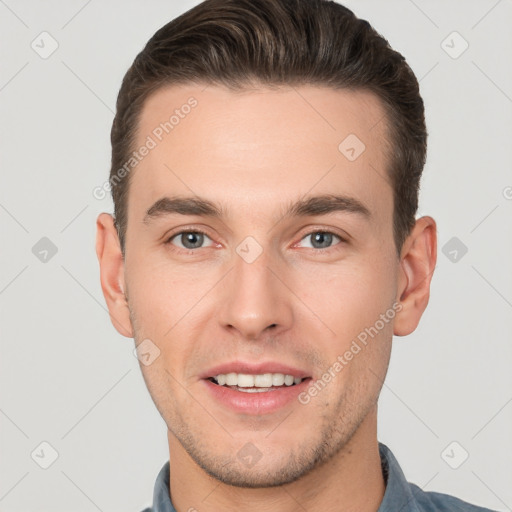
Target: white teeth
column 245, row 381
column 277, row 379
column 231, row 379
column 265, row 380
column 255, row 390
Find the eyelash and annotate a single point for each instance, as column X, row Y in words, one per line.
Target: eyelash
column 179, row 249
column 315, row 231
column 334, row 247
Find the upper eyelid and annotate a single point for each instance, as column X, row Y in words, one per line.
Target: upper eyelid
column 169, row 238
column 342, row 239
column 342, row 236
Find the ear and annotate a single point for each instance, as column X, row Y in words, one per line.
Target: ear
column 110, row 257
column 417, row 263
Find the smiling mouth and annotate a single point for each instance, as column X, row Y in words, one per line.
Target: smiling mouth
column 260, row 383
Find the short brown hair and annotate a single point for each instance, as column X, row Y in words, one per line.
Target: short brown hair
column 238, row 43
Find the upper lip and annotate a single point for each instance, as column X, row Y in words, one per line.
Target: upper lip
column 254, row 369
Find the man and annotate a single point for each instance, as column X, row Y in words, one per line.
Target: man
column 266, row 159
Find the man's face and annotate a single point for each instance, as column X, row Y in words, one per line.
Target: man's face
column 263, row 288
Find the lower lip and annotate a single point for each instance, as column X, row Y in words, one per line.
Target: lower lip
column 264, row 402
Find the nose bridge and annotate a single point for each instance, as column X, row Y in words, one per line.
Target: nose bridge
column 253, row 298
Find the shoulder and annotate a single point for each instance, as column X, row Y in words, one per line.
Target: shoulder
column 401, row 495
column 439, row 502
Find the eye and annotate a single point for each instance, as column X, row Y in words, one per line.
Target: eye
column 189, row 239
column 321, row 239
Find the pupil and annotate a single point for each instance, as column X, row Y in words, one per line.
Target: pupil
column 192, row 240
column 323, row 239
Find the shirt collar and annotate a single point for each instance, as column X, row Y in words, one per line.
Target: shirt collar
column 161, row 493
column 398, row 496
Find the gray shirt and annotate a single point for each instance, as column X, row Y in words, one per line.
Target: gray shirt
column 400, row 496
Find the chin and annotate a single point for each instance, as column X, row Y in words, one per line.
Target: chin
column 253, row 478
column 250, row 468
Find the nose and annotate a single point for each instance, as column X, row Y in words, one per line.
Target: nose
column 254, row 300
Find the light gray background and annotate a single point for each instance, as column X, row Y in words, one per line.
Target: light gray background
column 68, row 378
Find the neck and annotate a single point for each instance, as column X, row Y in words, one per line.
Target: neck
column 352, row 480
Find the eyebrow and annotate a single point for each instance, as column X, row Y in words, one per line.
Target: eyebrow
column 315, row 205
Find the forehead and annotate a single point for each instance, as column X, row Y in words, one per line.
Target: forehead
column 261, row 145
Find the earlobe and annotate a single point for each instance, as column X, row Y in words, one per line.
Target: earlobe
column 110, row 258
column 417, row 264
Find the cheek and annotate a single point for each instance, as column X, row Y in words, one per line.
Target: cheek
column 162, row 294
column 166, row 304
column 346, row 299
